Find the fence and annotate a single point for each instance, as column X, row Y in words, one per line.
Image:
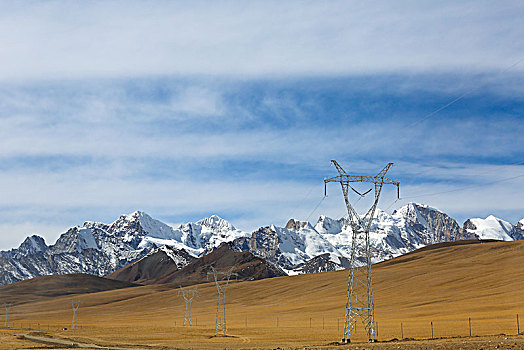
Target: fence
column 386, row 329
column 332, row 328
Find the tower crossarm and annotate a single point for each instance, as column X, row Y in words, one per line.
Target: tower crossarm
column 362, row 178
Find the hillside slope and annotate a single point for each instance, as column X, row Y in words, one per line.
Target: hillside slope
column 244, row 264
column 48, row 287
column 444, row 284
column 159, row 263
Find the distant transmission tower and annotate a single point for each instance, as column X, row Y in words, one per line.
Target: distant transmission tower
column 359, row 303
column 75, row 305
column 221, row 288
column 187, row 311
column 7, row 308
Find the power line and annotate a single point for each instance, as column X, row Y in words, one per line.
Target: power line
column 316, row 207
column 467, row 187
column 461, row 188
column 464, row 188
column 429, row 115
column 303, row 200
column 503, row 142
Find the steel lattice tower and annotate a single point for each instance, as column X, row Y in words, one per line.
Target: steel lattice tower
column 75, row 305
column 359, row 303
column 188, row 298
column 221, row 305
column 7, row 308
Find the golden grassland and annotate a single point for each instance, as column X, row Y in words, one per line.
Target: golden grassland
column 446, row 286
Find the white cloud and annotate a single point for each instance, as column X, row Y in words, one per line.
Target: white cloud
column 55, row 40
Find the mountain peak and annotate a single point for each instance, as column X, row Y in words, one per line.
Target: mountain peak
column 33, row 244
column 489, row 228
column 137, row 215
column 326, row 224
column 293, row 224
column 215, row 222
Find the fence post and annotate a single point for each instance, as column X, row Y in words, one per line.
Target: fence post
column 469, row 320
column 518, row 325
column 431, row 329
column 376, row 330
column 401, row 331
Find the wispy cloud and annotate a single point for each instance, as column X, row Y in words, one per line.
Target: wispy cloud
column 131, row 38
column 189, row 109
column 248, row 151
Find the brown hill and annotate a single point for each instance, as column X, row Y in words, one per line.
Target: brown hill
column 162, row 262
column 57, row 285
column 246, row 265
column 444, row 285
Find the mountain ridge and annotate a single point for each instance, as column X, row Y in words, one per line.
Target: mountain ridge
column 299, row 247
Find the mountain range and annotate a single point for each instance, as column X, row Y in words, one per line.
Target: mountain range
column 102, row 249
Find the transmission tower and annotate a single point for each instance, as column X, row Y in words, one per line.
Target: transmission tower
column 221, row 289
column 75, row 306
column 359, row 303
column 187, row 311
column 7, row 308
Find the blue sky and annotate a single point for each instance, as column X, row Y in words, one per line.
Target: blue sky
column 187, row 110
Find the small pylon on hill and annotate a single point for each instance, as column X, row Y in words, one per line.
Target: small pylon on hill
column 221, row 289
column 188, row 295
column 75, row 305
column 7, row 309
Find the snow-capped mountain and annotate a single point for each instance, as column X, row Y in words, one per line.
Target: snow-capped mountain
column 299, row 247
column 99, row 249
column 517, row 232
column 287, row 246
column 489, row 228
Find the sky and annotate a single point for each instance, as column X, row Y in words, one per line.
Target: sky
column 188, row 109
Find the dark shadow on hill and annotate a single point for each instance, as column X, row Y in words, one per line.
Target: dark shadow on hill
column 39, row 288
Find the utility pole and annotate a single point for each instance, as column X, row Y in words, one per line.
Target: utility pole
column 75, row 305
column 187, row 311
column 359, row 302
column 221, row 289
column 7, row 308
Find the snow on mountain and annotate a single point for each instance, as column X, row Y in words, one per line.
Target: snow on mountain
column 209, row 233
column 180, row 260
column 328, row 225
column 517, row 232
column 299, row 242
column 100, row 248
column 300, row 247
column 86, row 240
column 32, row 245
column 489, row 228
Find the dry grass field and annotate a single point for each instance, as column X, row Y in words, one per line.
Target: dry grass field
column 445, row 285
